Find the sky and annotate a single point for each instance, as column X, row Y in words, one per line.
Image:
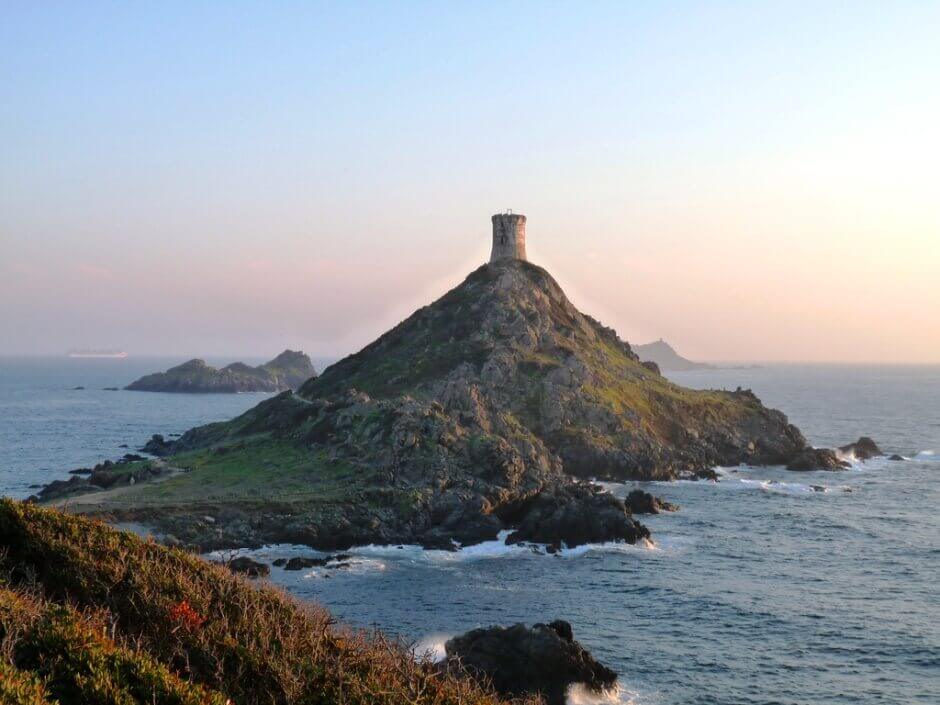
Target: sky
column 750, row 181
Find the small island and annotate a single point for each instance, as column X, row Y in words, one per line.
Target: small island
column 287, row 371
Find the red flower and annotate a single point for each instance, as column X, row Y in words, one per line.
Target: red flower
column 186, row 616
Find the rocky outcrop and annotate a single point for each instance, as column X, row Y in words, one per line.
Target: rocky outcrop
column 863, row 449
column 249, row 567
column 577, row 515
column 157, row 445
column 288, row 370
column 640, row 502
column 522, row 661
column 107, row 475
column 339, row 560
column 817, row 459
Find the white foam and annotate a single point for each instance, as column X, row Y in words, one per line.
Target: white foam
column 580, row 694
column 495, row 549
column 357, row 565
column 927, row 455
column 431, row 647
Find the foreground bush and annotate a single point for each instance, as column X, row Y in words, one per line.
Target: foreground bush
column 170, row 613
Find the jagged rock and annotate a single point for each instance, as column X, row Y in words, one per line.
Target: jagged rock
column 288, row 370
column 520, row 661
column 249, row 566
column 59, row 489
column 640, row 502
column 576, row 515
column 299, row 563
column 817, row 459
column 338, row 560
column 157, row 446
column 863, row 449
column 651, row 366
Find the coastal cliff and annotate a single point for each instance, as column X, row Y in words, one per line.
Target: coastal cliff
column 288, row 370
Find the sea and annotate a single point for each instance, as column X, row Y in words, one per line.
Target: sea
column 766, row 587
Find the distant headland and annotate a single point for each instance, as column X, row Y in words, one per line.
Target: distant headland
column 664, row 355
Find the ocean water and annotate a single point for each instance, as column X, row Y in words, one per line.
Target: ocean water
column 762, row 589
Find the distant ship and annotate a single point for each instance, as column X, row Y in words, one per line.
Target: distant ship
column 114, row 354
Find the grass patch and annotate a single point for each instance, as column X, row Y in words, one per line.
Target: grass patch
column 255, row 469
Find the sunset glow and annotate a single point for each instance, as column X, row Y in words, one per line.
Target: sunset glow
column 749, row 181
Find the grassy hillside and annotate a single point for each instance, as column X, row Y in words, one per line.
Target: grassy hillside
column 91, row 614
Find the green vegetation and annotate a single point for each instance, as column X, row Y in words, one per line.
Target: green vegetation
column 255, row 467
column 90, row 614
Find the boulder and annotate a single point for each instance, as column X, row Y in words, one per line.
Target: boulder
column 896, row 457
column 249, row 566
column 59, row 489
column 158, row 446
column 817, row 459
column 301, row 563
column 863, row 449
column 521, row 661
column 640, row 502
column 576, row 515
column 651, row 366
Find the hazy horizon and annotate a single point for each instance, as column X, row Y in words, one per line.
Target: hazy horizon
column 752, row 183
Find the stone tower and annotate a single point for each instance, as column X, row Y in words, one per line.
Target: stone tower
column 508, row 237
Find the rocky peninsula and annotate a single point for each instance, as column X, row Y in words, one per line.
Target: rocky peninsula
column 288, row 370
column 489, row 410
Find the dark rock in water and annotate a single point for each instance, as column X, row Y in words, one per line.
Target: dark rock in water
column 110, row 389
column 299, row 563
column 338, row 560
column 896, row 457
column 248, row 566
column 817, row 459
column 704, row 474
column 158, row 446
column 279, row 563
column 576, row 515
column 131, row 457
column 520, row 661
column 640, row 502
column 78, row 389
column 80, row 471
column 123, row 445
column 818, row 488
column 651, row 366
column 434, row 541
column 863, row 449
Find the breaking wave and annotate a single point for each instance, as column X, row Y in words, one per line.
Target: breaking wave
column 431, row 647
column 579, row 694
